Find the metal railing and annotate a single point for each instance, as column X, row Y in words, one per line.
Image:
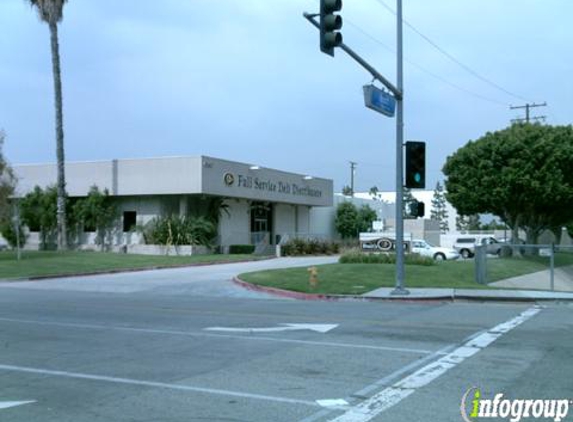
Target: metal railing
column 540, row 267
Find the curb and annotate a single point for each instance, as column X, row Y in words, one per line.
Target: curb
column 131, row 270
column 333, row 297
column 445, row 298
column 289, row 293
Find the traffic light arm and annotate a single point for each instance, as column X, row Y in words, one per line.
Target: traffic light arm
column 375, row 74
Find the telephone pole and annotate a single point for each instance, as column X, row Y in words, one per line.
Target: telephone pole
column 527, row 118
column 352, row 172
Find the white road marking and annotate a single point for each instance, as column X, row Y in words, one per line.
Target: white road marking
column 143, row 383
column 321, row 414
column 8, row 404
column 369, row 409
column 332, row 402
column 319, row 328
column 216, row 335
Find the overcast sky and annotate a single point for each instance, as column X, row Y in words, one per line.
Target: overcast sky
column 244, row 80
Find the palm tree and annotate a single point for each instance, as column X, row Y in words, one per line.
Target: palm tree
column 51, row 12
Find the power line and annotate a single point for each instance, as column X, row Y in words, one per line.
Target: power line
column 422, row 68
column 425, row 70
column 451, row 57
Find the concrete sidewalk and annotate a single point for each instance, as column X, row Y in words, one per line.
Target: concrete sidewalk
column 541, row 280
column 470, row 294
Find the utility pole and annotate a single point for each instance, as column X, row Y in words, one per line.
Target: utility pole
column 527, row 118
column 352, row 172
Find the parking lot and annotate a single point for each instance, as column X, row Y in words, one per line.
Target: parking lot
column 162, row 354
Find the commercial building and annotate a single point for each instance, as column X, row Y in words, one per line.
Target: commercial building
column 262, row 204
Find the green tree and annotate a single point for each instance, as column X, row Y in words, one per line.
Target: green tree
column 38, row 212
column 374, row 192
column 7, row 183
column 439, row 211
column 97, row 212
column 350, row 220
column 467, row 223
column 51, row 12
column 521, row 174
column 347, row 190
column 8, row 231
column 408, row 199
column 493, row 225
column 345, row 222
column 364, row 218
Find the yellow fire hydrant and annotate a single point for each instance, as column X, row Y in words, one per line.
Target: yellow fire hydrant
column 313, row 279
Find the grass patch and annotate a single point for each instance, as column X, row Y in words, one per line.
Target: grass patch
column 35, row 263
column 357, row 279
column 361, row 278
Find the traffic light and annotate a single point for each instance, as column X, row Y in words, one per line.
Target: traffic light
column 329, row 26
column 417, row 209
column 415, row 165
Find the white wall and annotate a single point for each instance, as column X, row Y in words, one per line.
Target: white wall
column 284, row 219
column 170, row 175
column 235, row 227
column 303, row 225
column 80, row 177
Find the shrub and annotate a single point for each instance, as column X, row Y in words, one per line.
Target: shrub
column 8, row 231
column 298, row 246
column 358, row 257
column 241, row 249
column 176, row 230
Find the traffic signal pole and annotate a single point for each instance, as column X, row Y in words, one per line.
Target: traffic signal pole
column 397, row 92
column 399, row 288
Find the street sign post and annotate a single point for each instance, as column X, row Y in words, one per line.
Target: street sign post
column 379, row 100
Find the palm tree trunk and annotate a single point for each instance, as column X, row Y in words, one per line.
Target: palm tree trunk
column 61, row 182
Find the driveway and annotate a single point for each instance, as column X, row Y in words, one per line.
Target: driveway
column 209, row 280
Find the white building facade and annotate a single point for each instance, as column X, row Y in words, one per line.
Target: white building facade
column 262, row 204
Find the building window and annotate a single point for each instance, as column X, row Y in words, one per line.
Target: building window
column 129, row 220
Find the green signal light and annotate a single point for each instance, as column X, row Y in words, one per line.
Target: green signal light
column 417, row 177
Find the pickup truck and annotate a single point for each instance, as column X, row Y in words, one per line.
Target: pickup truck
column 465, row 245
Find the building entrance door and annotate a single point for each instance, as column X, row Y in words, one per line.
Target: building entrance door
column 261, row 223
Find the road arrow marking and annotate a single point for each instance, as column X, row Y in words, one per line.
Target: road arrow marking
column 7, row 404
column 319, row 328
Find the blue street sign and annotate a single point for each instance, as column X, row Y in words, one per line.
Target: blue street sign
column 379, row 100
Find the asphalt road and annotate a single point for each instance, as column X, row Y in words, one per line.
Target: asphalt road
column 187, row 345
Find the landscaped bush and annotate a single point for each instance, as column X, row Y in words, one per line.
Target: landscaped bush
column 176, row 230
column 298, row 246
column 241, row 249
column 8, row 231
column 358, row 257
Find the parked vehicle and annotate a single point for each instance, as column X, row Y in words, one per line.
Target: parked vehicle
column 466, row 245
column 423, row 248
